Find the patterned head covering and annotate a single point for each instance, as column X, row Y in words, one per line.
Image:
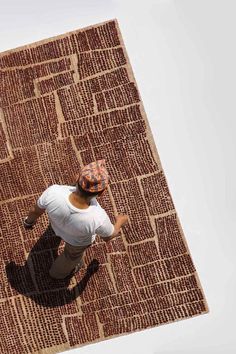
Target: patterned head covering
column 94, row 176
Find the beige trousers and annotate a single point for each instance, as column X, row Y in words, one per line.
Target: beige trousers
column 67, row 261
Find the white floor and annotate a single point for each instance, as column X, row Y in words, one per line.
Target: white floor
column 183, row 56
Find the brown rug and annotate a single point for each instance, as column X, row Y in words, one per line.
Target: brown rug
column 66, row 101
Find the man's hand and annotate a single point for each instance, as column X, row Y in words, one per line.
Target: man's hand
column 28, row 225
column 122, row 218
column 34, row 213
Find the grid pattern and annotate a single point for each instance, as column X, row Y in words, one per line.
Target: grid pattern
column 64, row 102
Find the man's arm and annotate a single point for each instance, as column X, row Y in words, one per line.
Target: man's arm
column 34, row 213
column 120, row 220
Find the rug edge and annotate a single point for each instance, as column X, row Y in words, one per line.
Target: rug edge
column 67, row 347
column 55, row 37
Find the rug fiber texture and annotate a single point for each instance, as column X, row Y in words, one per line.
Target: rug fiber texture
column 66, row 101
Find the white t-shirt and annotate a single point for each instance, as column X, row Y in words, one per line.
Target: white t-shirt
column 77, row 227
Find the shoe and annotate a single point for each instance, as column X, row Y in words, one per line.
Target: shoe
column 93, row 267
column 78, row 266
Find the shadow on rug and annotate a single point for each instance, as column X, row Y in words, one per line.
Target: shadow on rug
column 15, row 274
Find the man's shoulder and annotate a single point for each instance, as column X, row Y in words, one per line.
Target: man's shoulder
column 52, row 187
column 58, row 186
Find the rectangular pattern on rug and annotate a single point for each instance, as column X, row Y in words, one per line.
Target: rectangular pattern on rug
column 64, row 102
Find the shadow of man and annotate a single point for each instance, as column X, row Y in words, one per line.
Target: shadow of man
column 32, row 279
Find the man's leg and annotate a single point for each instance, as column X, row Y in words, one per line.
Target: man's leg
column 67, row 261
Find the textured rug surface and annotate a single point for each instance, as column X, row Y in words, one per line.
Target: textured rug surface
column 65, row 102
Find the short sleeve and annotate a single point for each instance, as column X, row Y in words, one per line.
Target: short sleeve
column 106, row 229
column 42, row 200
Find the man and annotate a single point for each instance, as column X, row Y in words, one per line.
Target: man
column 76, row 216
